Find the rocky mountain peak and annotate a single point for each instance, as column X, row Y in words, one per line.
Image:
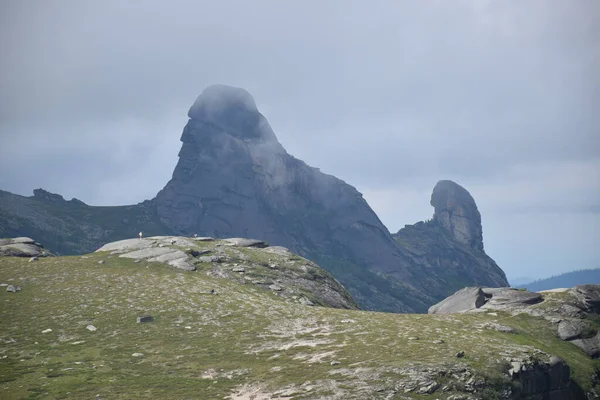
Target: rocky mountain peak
column 46, row 195
column 232, row 110
column 456, row 211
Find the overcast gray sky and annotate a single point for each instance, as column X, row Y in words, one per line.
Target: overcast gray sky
column 502, row 97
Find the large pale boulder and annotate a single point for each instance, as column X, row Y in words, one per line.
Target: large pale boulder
column 464, row 300
column 22, row 247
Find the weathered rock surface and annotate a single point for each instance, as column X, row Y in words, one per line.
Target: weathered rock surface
column 451, row 243
column 512, row 298
column 22, row 247
column 570, row 329
column 574, row 311
column 588, row 296
column 152, row 249
column 464, row 300
column 294, row 278
column 549, row 379
column 591, row 346
column 456, row 211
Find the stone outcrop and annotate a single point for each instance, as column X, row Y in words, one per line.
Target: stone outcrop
column 248, row 261
column 573, row 311
column 544, row 379
column 456, row 211
column 22, row 247
column 450, row 245
column 464, row 300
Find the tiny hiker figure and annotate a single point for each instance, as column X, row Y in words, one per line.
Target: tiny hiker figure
column 140, row 234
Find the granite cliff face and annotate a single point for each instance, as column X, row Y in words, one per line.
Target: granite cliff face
column 456, row 211
column 450, row 245
column 234, row 179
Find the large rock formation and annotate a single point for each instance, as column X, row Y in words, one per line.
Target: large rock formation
column 234, row 179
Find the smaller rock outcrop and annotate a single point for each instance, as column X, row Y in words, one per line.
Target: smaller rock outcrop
column 573, row 311
column 448, row 249
column 45, row 195
column 456, row 211
column 588, row 297
column 22, row 247
column 247, row 261
column 544, row 379
column 464, row 300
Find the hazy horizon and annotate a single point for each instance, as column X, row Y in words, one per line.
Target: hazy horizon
column 500, row 97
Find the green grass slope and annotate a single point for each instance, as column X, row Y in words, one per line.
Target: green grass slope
column 246, row 342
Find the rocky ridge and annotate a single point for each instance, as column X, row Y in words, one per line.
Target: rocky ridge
column 234, row 179
column 574, row 312
column 247, row 261
column 450, row 245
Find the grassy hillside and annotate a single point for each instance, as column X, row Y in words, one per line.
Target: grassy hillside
column 244, row 341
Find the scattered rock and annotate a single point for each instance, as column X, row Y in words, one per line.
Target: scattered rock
column 137, row 355
column 79, row 342
column 499, row 327
column 47, row 330
column 241, row 242
column 589, row 296
column 91, row 328
column 32, row 259
column 460, row 354
column 413, row 338
column 196, row 253
column 146, row 318
column 239, row 269
column 13, row 288
column 569, row 310
column 275, row 288
column 439, row 341
column 204, row 239
column 590, row 346
column 570, row 329
column 515, row 367
column 429, row 388
column 3, row 284
column 335, row 363
column 306, row 302
column 101, row 262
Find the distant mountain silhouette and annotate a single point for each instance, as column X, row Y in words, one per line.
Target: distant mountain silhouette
column 566, row 280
